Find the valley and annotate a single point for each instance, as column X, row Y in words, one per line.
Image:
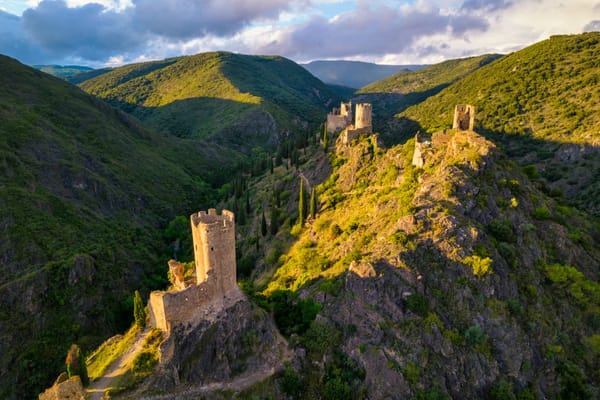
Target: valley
column 414, row 259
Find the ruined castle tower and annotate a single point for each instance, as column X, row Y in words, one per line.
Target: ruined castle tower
column 363, row 116
column 464, row 117
column 339, row 118
column 214, row 248
column 216, row 287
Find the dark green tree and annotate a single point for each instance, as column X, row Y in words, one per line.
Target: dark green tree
column 325, row 139
column 313, row 203
column 75, row 364
column 274, row 227
column 248, row 208
column 263, row 224
column 301, row 206
column 139, row 310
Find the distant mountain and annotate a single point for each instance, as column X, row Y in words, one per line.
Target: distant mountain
column 354, row 74
column 62, row 71
column 228, row 98
column 85, row 194
column 541, row 104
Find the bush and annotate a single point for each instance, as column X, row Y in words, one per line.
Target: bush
column 542, row 213
column 475, row 336
column 479, row 266
column 502, row 230
column 418, row 303
column 144, row 363
column 502, row 391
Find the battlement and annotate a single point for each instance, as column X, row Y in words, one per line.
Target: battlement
column 212, row 218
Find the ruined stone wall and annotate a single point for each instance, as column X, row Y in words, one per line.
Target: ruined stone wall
column 363, row 116
column 69, row 389
column 340, row 118
column 464, row 117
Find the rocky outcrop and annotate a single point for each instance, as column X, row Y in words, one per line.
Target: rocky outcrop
column 240, row 341
column 64, row 389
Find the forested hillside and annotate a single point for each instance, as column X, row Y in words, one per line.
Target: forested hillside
column 85, row 195
column 542, row 104
column 229, row 98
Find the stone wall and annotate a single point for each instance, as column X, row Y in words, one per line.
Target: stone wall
column 464, row 117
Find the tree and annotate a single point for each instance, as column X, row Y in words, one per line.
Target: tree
column 139, row 310
column 325, row 141
column 274, row 227
column 263, row 224
column 301, row 206
column 75, row 364
column 313, row 203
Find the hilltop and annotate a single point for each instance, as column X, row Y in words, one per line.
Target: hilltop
column 353, row 74
column 406, row 88
column 225, row 97
column 541, row 105
column 85, row 195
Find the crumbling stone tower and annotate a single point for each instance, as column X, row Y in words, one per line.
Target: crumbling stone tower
column 464, row 117
column 363, row 116
column 214, row 248
column 339, row 118
column 215, row 288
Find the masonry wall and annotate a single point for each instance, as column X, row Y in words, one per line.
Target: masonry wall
column 464, row 117
column 363, row 116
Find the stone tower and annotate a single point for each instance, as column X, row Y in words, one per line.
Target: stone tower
column 464, row 117
column 346, row 110
column 363, row 116
column 214, row 248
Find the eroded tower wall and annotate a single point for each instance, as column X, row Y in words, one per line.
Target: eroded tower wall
column 464, row 117
column 214, row 248
column 363, row 116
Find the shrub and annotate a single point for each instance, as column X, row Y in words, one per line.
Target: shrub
column 480, row 266
column 502, row 230
column 418, row 303
column 541, row 213
column 502, row 391
column 144, row 363
column 139, row 310
column 475, row 336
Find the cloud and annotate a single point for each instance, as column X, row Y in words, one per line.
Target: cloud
column 485, row 5
column 15, row 42
column 89, row 32
column 592, row 26
column 187, row 19
column 370, row 31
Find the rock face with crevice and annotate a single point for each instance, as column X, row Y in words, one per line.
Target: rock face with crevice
column 64, row 389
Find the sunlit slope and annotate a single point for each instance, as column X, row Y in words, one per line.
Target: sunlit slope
column 205, row 94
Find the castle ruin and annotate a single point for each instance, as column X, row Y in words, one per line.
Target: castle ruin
column 214, row 288
column 464, row 117
column 339, row 118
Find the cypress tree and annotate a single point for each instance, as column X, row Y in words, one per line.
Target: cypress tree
column 313, row 203
column 263, row 224
column 325, row 139
column 301, row 207
column 139, row 311
column 75, row 364
column 248, row 209
column 274, row 227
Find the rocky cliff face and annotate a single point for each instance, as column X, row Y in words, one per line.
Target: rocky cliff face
column 466, row 280
column 237, row 348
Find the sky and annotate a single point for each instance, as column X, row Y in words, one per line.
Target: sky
column 101, row 33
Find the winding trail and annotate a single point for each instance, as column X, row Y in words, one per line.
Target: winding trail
column 98, row 388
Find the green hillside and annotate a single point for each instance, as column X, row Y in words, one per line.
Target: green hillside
column 255, row 98
column 542, row 105
column 406, row 88
column 85, row 194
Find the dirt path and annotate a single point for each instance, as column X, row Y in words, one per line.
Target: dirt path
column 98, row 388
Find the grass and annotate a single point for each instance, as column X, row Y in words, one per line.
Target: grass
column 109, row 351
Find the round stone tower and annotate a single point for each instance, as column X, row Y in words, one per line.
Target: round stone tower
column 363, row 116
column 214, row 248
